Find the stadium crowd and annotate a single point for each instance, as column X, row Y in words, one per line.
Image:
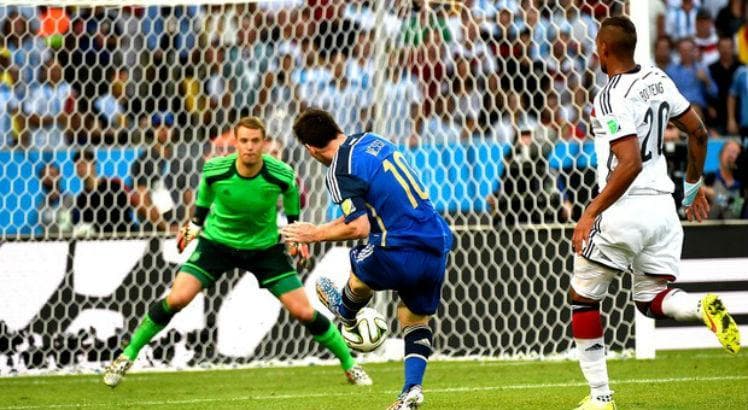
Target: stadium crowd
column 170, row 81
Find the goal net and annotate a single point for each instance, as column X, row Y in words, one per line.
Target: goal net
column 109, row 112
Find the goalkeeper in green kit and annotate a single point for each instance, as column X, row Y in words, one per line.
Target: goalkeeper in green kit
column 235, row 219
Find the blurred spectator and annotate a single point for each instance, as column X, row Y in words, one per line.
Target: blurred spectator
column 28, row 51
column 429, row 62
column 541, row 30
column 723, row 72
column 278, row 99
column 691, row 77
column 347, row 104
column 512, row 119
column 730, row 18
column 482, row 9
column 112, row 105
column 680, row 21
column 8, row 109
column 8, row 72
column 737, row 122
column 742, row 41
column 401, row 102
column 504, row 32
column 706, row 38
column 102, row 205
column 335, row 34
column 582, row 27
column 657, row 13
column 723, row 189
column 55, row 207
column 221, row 23
column 526, row 193
column 171, row 29
column 469, row 100
column 153, row 198
column 663, row 52
column 473, row 47
column 48, row 108
column 223, row 144
column 526, row 76
column 425, row 22
column 54, row 22
column 360, row 68
column 441, row 127
column 565, row 59
column 713, row 6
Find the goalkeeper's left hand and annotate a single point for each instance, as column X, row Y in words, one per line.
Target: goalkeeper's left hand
column 186, row 234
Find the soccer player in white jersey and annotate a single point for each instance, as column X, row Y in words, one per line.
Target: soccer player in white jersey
column 633, row 225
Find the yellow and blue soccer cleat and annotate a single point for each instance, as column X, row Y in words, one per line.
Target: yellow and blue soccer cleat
column 588, row 403
column 719, row 321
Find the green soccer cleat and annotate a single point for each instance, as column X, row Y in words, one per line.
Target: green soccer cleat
column 719, row 321
column 116, row 371
column 357, row 376
column 588, row 403
column 409, row 400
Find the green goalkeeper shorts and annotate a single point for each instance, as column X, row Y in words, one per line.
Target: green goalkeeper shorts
column 271, row 266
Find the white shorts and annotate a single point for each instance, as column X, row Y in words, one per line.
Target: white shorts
column 638, row 234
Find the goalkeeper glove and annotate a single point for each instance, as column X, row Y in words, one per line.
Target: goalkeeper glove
column 186, row 234
column 690, row 190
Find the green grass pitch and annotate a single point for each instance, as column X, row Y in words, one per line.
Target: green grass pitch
column 701, row 379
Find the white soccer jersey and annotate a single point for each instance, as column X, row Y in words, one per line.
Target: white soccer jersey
column 639, row 102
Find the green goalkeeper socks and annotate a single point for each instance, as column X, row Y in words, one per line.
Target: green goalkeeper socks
column 331, row 339
column 155, row 320
column 142, row 335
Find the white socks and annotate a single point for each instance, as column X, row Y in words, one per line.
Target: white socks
column 681, row 306
column 594, row 367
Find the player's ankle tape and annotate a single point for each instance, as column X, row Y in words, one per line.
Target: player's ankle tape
column 160, row 313
column 318, row 325
column 577, row 306
column 418, row 341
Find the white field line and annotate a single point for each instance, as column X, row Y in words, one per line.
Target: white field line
column 152, row 374
column 392, row 392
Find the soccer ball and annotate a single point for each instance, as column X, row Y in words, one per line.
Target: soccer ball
column 368, row 333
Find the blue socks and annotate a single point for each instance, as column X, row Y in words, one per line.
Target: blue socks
column 350, row 304
column 418, row 341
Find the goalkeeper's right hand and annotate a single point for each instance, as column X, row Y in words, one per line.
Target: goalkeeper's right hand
column 186, row 234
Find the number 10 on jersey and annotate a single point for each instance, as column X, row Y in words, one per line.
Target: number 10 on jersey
column 400, row 168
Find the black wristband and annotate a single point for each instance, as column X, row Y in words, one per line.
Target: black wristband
column 201, row 212
column 292, row 218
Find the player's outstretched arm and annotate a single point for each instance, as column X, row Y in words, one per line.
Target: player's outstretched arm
column 626, row 150
column 337, row 230
column 694, row 196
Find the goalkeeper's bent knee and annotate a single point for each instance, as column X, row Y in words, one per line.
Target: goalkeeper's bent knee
column 161, row 313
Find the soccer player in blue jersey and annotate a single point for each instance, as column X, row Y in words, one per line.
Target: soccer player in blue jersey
column 382, row 199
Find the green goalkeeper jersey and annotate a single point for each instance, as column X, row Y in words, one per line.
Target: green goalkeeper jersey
column 243, row 211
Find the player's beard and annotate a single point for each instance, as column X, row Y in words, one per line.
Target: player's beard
column 603, row 68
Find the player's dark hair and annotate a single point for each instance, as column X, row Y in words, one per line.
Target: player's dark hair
column 253, row 123
column 623, row 43
column 85, row 154
column 316, row 128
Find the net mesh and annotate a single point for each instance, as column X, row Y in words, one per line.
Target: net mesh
column 109, row 113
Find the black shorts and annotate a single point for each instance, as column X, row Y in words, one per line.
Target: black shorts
column 271, row 266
